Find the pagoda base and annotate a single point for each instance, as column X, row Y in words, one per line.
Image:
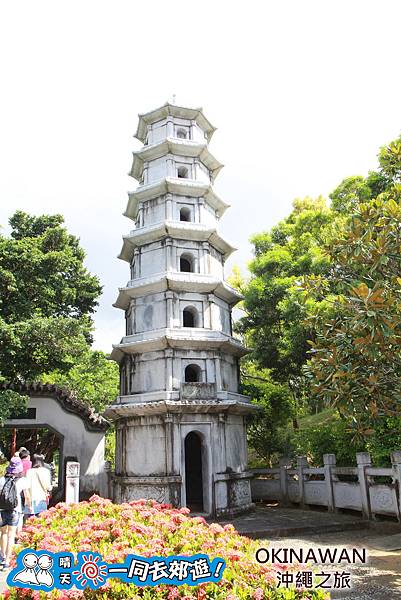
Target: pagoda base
column 162, row 489
column 193, row 459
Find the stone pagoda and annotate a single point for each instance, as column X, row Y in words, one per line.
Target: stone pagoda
column 180, row 421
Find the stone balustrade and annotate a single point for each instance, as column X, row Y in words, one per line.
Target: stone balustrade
column 370, row 490
column 198, row 391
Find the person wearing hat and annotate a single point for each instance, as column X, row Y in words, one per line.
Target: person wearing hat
column 11, row 486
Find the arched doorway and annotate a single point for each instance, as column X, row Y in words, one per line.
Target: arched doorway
column 43, row 440
column 78, row 431
column 193, row 472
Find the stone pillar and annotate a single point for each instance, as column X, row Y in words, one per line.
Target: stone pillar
column 136, row 270
column 170, row 127
column 396, row 464
column 170, row 309
column 211, row 311
column 222, row 458
column 363, row 461
column 145, row 174
column 217, row 366
column 302, row 463
column 169, row 207
column 284, row 464
column 168, row 355
column 107, row 468
column 204, row 255
column 201, row 208
column 197, row 262
column 72, row 482
column 329, row 461
column 169, row 255
column 171, row 168
column 168, row 424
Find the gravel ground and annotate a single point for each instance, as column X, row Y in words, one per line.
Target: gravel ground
column 379, row 579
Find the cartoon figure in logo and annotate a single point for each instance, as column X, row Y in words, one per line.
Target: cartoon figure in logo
column 28, row 575
column 45, row 563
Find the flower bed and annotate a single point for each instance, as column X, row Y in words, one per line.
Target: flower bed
column 147, row 528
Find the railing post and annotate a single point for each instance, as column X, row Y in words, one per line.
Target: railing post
column 284, row 463
column 107, row 471
column 329, row 461
column 72, row 482
column 302, row 463
column 363, row 460
column 396, row 465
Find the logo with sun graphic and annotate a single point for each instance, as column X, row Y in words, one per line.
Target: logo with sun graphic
column 44, row 571
column 90, row 571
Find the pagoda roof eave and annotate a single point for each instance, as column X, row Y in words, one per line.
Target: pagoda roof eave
column 180, row 338
column 193, row 114
column 170, row 402
column 176, row 147
column 174, row 185
column 174, row 229
column 177, row 282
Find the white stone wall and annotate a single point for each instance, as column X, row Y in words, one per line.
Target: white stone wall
column 157, row 257
column 165, row 369
column 87, row 447
column 170, row 127
column 169, row 165
column 165, row 309
column 162, row 208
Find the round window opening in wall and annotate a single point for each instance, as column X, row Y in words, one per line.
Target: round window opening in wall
column 190, row 317
column 186, row 264
column 192, row 374
column 185, row 214
column 182, row 173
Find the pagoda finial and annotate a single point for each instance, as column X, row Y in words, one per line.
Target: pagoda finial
column 173, row 99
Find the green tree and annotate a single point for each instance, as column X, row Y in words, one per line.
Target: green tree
column 93, row 378
column 276, row 403
column 274, row 322
column 356, row 356
column 47, row 297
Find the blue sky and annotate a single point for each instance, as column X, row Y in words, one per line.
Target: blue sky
column 303, row 93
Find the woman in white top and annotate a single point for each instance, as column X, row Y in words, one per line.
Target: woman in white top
column 39, row 486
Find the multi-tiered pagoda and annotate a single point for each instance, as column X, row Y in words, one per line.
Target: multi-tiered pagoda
column 181, row 435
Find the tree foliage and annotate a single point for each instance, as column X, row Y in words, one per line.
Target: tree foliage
column 274, row 322
column 356, row 363
column 276, row 404
column 47, row 297
column 346, row 257
column 93, row 378
column 42, row 271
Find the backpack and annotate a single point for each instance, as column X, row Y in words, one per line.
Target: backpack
column 9, row 495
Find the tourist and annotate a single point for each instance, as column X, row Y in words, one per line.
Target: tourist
column 25, row 458
column 11, row 486
column 39, row 485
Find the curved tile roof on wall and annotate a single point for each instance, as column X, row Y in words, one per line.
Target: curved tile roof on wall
column 92, row 420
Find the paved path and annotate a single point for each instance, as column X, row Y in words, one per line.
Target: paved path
column 380, row 579
column 273, row 522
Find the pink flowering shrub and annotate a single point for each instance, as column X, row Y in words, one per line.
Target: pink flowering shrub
column 147, row 528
